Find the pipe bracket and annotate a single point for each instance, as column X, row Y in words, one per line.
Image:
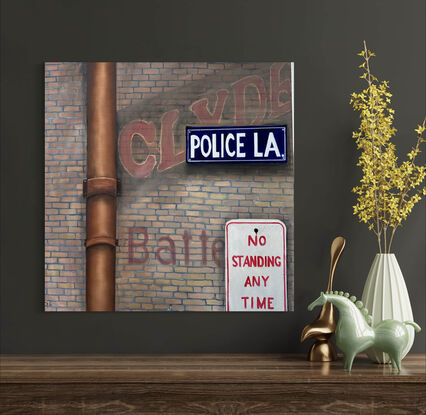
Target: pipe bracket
column 101, row 240
column 100, row 186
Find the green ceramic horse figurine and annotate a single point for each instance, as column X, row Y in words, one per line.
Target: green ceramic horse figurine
column 354, row 333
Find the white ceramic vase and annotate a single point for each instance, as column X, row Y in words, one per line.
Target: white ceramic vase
column 386, row 297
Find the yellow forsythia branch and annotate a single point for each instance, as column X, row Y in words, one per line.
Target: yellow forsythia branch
column 387, row 191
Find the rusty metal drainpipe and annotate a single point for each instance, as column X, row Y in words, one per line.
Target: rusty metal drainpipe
column 100, row 187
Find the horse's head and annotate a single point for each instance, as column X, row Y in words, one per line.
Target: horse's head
column 321, row 300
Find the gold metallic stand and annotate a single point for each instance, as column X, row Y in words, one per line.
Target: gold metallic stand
column 325, row 325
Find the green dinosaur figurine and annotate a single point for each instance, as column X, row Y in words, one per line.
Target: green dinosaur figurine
column 354, row 333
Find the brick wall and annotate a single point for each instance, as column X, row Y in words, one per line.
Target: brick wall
column 170, row 217
column 65, row 165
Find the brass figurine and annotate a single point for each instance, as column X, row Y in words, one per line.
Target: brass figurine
column 325, row 325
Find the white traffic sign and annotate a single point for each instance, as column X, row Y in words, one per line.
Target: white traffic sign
column 255, row 268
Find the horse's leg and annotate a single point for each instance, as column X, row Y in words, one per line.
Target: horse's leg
column 396, row 360
column 349, row 358
column 345, row 362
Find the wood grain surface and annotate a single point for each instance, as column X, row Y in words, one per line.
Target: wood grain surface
column 207, row 384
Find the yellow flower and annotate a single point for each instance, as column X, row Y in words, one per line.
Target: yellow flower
column 387, row 191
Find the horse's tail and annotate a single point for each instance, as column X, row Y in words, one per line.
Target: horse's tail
column 415, row 325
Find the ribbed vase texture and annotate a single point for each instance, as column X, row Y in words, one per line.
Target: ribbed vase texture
column 386, row 297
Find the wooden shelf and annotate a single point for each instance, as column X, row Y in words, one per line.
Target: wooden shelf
column 187, row 384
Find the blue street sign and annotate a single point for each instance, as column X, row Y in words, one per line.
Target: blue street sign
column 254, row 144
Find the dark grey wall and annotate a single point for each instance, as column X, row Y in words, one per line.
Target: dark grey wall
column 321, row 37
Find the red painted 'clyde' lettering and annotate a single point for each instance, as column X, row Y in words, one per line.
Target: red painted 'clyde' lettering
column 200, row 110
column 277, row 88
column 168, row 158
column 145, row 130
column 239, row 88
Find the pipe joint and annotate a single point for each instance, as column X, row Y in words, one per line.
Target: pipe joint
column 101, row 240
column 101, row 186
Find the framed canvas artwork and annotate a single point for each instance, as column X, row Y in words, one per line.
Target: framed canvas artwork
column 169, row 186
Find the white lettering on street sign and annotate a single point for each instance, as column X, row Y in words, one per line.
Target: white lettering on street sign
column 236, row 144
column 255, row 268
